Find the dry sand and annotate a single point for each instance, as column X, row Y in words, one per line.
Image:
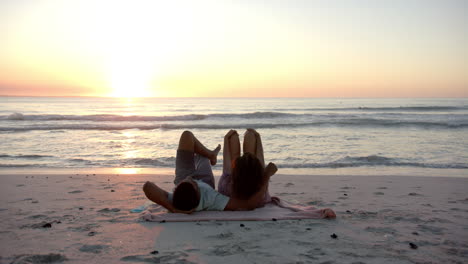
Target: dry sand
column 85, row 218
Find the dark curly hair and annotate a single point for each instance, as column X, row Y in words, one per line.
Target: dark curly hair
column 185, row 197
column 247, row 176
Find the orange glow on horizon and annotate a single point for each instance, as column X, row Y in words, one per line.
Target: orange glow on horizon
column 211, row 48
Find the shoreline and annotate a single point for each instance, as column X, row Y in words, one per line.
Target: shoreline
column 217, row 171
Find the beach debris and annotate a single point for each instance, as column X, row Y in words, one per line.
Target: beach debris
column 413, row 246
column 154, row 252
column 415, row 233
column 47, row 225
column 112, row 190
column 242, row 225
column 162, row 221
column 308, row 228
column 92, row 233
column 334, row 236
column 345, row 194
column 274, row 219
column 80, row 208
column 348, row 211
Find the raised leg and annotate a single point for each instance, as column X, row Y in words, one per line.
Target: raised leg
column 189, row 142
column 231, row 150
column 253, row 144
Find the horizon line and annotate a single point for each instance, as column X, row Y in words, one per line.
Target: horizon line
column 229, row 97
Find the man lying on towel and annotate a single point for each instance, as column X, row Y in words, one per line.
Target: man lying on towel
column 195, row 184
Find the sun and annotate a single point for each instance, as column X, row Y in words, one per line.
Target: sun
column 128, row 82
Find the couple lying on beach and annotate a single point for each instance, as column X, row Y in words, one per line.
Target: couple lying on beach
column 242, row 186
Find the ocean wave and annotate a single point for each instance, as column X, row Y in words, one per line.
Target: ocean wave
column 24, row 156
column 373, row 161
column 381, row 109
column 138, row 118
column 161, row 162
column 351, row 122
column 22, row 166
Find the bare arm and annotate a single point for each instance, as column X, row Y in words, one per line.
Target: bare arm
column 158, row 195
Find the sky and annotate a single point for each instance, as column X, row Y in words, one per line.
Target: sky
column 227, row 48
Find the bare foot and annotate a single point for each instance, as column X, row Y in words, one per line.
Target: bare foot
column 214, row 156
column 328, row 213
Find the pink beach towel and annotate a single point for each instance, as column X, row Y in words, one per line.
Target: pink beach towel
column 276, row 209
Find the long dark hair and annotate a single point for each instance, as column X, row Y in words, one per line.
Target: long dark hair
column 247, row 176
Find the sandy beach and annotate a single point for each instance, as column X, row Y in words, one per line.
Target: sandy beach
column 86, row 218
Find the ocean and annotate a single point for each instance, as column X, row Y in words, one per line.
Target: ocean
column 300, row 135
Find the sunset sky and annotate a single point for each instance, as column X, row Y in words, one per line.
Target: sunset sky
column 261, row 48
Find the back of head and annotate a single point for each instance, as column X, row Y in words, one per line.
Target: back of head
column 247, row 176
column 185, row 197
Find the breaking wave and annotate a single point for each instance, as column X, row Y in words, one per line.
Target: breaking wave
column 373, row 161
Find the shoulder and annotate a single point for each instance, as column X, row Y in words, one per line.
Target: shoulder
column 210, row 199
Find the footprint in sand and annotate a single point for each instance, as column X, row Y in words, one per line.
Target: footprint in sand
column 49, row 258
column 166, row 257
column 431, row 229
column 107, row 210
column 93, row 248
column 379, row 193
column 226, row 235
column 77, row 191
column 227, row 250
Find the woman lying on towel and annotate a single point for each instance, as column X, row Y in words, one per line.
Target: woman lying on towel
column 194, row 178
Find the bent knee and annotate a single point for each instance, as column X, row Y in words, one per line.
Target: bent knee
column 186, row 134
